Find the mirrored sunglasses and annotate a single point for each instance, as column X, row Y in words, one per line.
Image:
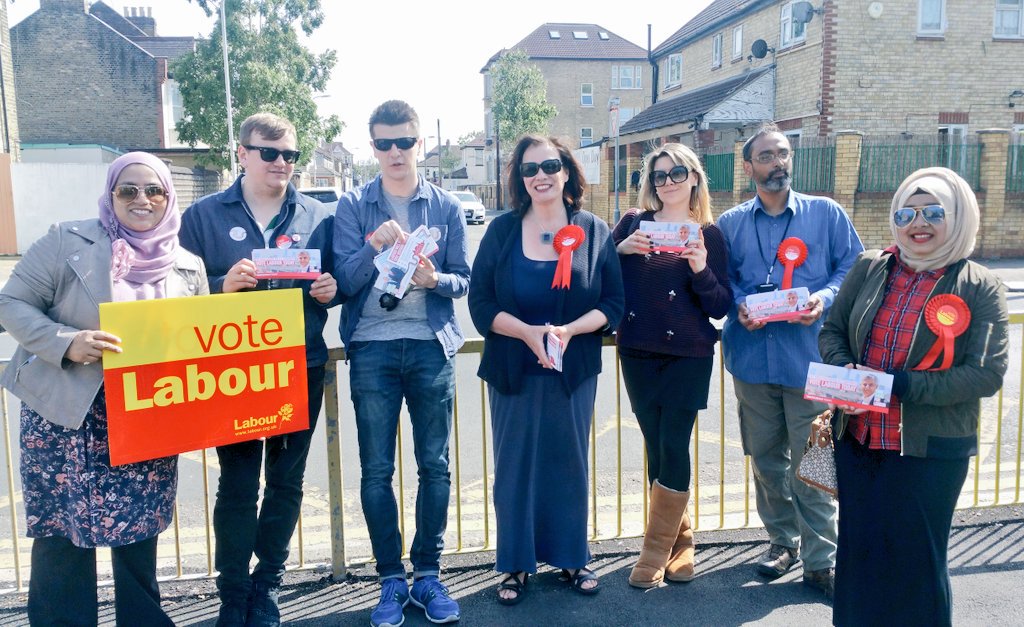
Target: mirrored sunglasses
column 530, row 169
column 678, row 174
column 129, row 192
column 270, row 155
column 932, row 214
column 403, row 143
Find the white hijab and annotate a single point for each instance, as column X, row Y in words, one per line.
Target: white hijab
column 962, row 216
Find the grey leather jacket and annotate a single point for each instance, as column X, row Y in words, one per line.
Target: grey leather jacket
column 54, row 292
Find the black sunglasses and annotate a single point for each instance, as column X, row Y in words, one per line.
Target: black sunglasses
column 530, row 169
column 128, row 192
column 932, row 214
column 388, row 302
column 678, row 174
column 403, row 143
column 270, row 155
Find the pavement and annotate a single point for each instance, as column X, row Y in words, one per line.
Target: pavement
column 986, row 563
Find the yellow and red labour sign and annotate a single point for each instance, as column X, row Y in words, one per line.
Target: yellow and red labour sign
column 948, row 317
column 204, row 371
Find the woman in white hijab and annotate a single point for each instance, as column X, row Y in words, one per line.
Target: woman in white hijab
column 920, row 311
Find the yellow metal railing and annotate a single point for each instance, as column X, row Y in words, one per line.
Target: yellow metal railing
column 332, row 531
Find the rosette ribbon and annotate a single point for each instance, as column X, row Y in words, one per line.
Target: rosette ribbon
column 567, row 239
column 792, row 253
column 948, row 317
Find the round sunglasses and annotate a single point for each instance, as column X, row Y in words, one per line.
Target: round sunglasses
column 128, row 192
column 932, row 214
column 270, row 155
column 678, row 174
column 549, row 166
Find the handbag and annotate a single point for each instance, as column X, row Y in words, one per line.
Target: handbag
column 818, row 466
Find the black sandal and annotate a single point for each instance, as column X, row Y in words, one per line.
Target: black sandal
column 577, row 579
column 512, row 582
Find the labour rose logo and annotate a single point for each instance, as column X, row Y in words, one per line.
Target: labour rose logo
column 286, row 412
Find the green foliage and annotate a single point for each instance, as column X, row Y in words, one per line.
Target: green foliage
column 270, row 71
column 366, row 170
column 519, row 103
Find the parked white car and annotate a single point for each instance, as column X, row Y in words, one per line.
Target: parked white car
column 471, row 206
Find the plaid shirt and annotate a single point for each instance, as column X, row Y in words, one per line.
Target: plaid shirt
column 888, row 345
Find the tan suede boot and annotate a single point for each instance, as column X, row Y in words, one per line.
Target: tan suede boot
column 667, row 508
column 680, row 563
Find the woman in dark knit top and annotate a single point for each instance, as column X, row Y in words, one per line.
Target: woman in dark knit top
column 667, row 345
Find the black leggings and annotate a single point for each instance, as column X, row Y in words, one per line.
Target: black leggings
column 62, row 590
column 667, row 440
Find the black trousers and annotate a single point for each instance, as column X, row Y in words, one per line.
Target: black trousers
column 62, row 590
column 240, row 530
column 895, row 514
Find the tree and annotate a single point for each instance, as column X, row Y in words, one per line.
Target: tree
column 519, row 104
column 364, row 171
column 270, row 71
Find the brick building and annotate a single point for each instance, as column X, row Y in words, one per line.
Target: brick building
column 585, row 65
column 91, row 75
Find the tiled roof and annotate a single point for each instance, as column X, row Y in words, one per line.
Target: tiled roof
column 717, row 11
column 166, row 47
column 689, row 105
column 541, row 45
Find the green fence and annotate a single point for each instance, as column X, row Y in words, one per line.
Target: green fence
column 814, row 165
column 1015, row 168
column 719, row 169
column 886, row 162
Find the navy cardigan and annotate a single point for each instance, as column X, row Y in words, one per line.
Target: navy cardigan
column 596, row 284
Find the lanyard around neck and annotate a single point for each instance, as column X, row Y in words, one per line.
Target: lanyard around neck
column 760, row 249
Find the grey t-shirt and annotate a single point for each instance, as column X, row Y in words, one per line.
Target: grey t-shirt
column 409, row 319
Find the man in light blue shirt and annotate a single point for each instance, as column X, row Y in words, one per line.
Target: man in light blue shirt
column 768, row 361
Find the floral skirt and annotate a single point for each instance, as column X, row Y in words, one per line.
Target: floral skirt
column 71, row 490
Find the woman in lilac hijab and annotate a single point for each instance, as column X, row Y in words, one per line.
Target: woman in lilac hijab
column 74, row 499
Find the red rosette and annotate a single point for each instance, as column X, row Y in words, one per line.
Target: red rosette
column 567, row 239
column 948, row 317
column 792, row 253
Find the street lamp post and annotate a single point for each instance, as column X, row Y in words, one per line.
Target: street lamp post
column 227, row 89
column 613, row 110
column 497, row 165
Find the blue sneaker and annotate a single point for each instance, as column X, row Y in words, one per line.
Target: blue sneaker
column 431, row 595
column 394, row 596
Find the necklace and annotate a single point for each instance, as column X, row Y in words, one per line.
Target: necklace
column 546, row 237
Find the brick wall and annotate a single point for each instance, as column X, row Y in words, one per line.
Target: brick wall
column 78, row 81
column 889, row 80
column 9, row 130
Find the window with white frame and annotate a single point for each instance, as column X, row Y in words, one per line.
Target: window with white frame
column 626, row 77
column 586, row 136
column 716, row 51
column 625, row 113
column 737, row 42
column 794, row 137
column 790, row 31
column 1009, row 19
column 931, row 17
column 587, row 95
column 674, row 69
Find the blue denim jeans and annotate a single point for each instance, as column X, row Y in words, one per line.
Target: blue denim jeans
column 382, row 373
column 241, row 530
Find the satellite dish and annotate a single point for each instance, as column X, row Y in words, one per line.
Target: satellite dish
column 802, row 12
column 759, row 49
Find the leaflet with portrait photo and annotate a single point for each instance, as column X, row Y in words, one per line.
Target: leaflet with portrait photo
column 851, row 387
column 555, row 349
column 778, row 305
column 670, row 236
column 397, row 264
column 286, row 263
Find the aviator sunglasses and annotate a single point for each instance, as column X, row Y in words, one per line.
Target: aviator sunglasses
column 403, row 143
column 932, row 214
column 128, row 192
column 530, row 169
column 678, row 174
column 270, row 155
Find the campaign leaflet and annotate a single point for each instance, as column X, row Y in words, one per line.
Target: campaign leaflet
column 777, row 305
column 555, row 350
column 670, row 236
column 851, row 387
column 398, row 263
column 286, row 263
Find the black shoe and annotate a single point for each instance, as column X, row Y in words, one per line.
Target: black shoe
column 778, row 560
column 263, row 609
column 823, row 580
column 233, row 613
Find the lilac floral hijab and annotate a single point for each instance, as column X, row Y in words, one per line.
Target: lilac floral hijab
column 141, row 259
